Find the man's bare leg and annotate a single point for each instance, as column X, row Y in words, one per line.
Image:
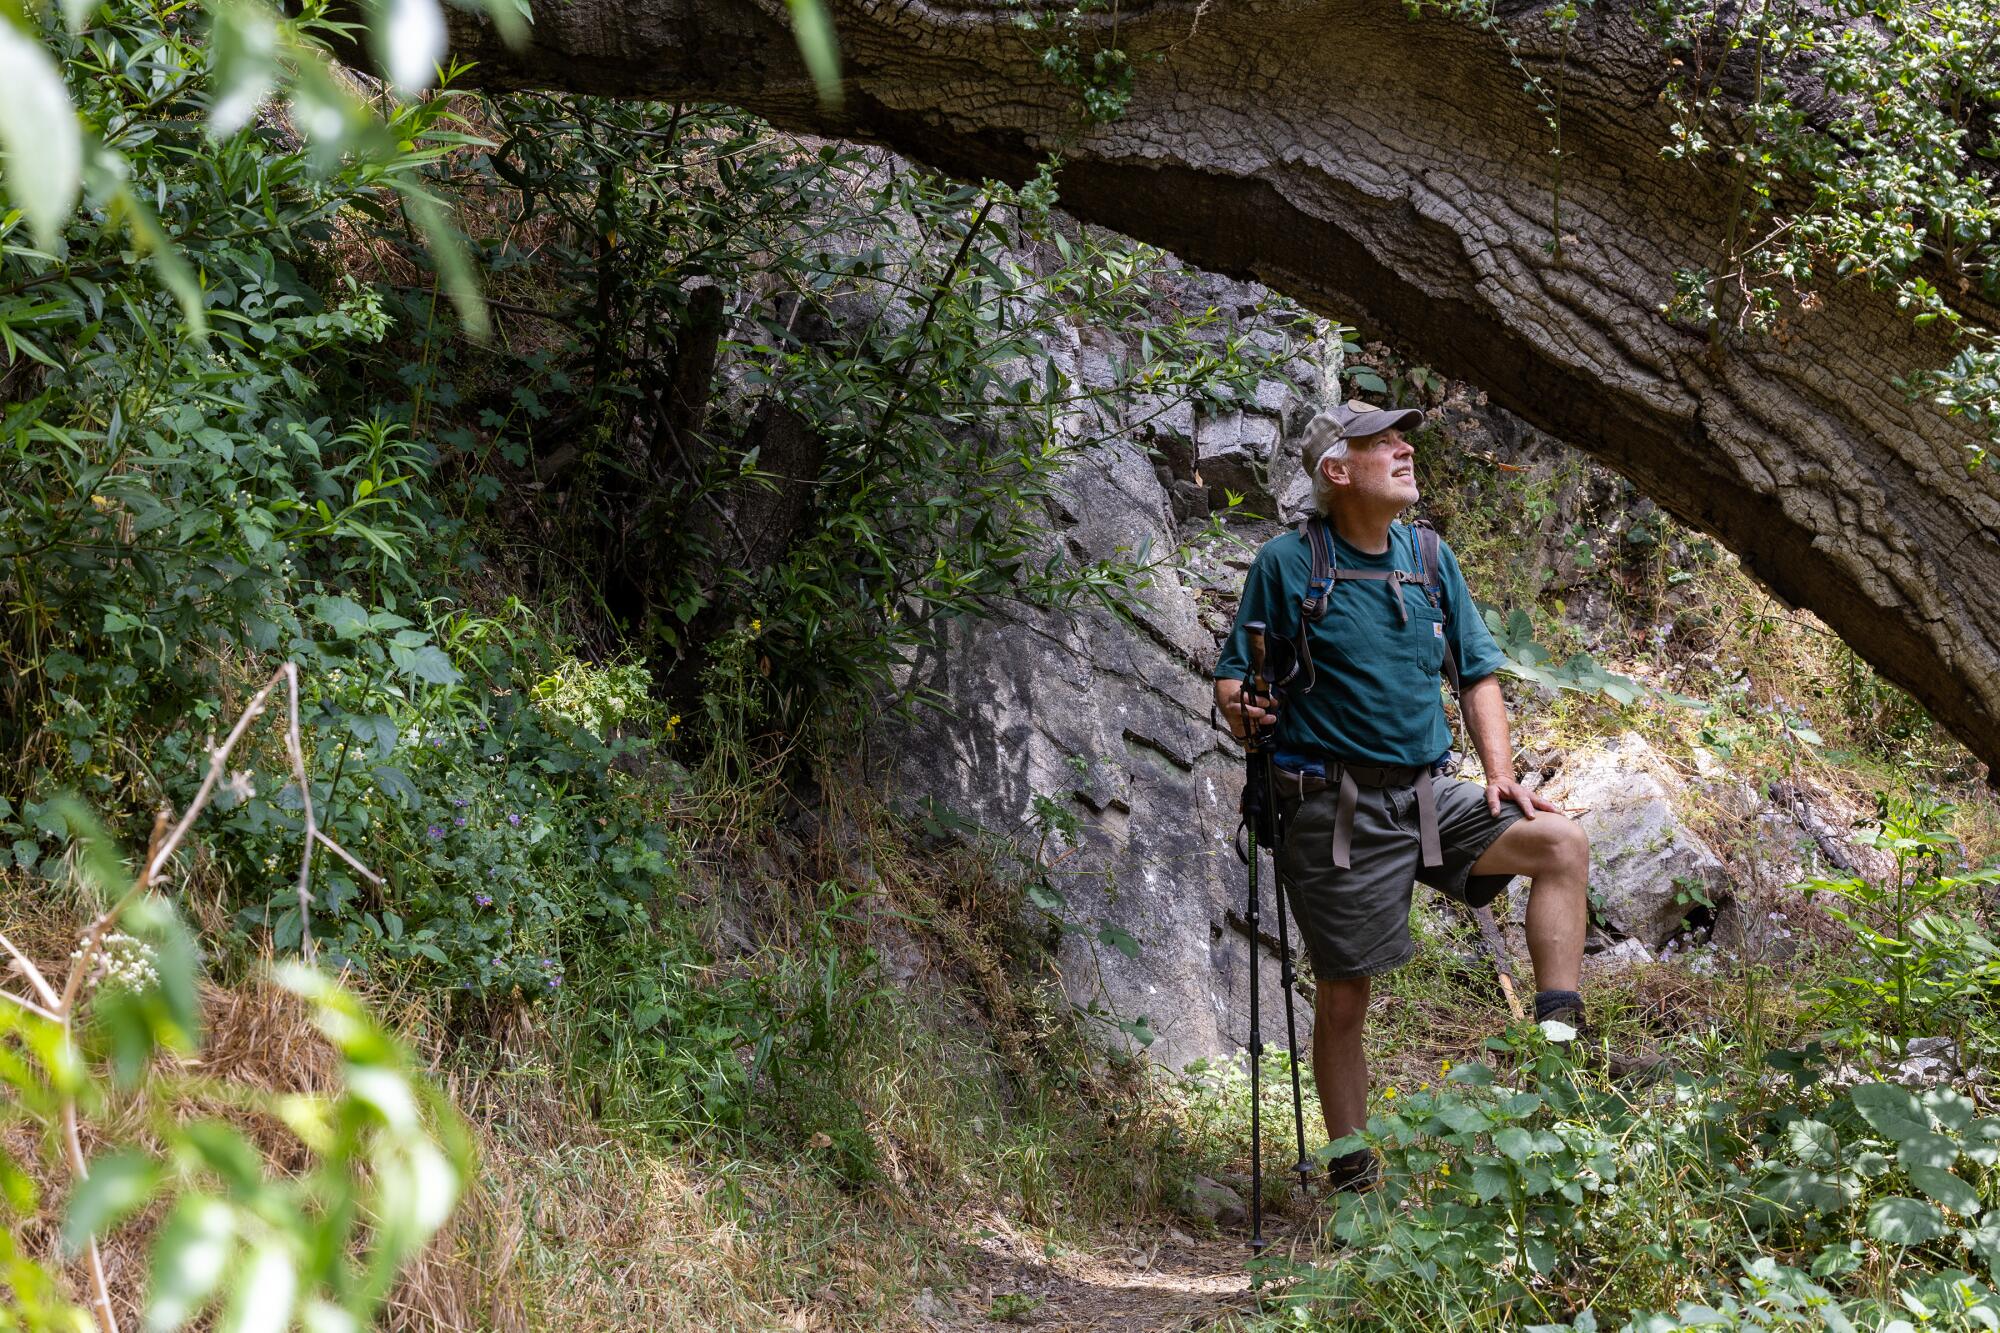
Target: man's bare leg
column 1554, row 852
column 1340, row 1062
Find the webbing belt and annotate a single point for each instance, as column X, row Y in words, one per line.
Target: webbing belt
column 1350, row 779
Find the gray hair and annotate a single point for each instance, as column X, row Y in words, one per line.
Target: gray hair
column 1322, row 488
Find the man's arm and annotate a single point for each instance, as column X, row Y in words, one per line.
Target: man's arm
column 1486, row 718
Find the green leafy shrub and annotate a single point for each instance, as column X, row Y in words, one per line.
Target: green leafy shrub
column 1926, row 957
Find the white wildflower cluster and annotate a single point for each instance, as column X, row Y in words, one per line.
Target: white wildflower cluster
column 597, row 698
column 122, row 962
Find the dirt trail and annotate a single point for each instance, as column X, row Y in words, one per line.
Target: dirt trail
column 1148, row 1281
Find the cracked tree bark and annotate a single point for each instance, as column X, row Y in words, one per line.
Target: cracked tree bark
column 1392, row 172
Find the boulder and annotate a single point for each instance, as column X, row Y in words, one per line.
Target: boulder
column 1648, row 871
column 1213, row 1200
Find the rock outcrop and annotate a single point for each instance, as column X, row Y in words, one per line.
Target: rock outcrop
column 1110, row 716
column 1649, row 874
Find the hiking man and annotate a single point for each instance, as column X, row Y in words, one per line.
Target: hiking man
column 1362, row 743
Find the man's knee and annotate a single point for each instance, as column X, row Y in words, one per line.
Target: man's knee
column 1564, row 846
column 1341, row 1005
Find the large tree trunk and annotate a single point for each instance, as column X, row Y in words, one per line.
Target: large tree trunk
column 1393, row 172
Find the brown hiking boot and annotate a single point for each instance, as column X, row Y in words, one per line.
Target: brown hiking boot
column 1591, row 1054
column 1355, row 1173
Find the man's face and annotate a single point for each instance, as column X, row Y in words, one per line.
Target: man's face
column 1379, row 471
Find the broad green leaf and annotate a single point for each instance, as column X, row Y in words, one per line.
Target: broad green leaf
column 1892, row 1110
column 1812, row 1142
column 396, row 785
column 387, row 1092
column 1927, row 1149
column 17, row 1187
column 188, row 1260
column 427, row 663
column 347, row 619
column 117, row 1185
column 1947, row 1189
column 38, row 134
column 1953, row 1109
column 1899, row 1220
column 1515, row 1142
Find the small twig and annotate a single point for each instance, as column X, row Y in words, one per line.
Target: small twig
column 348, row 857
column 159, row 851
column 33, row 973
column 296, row 748
column 29, row 1005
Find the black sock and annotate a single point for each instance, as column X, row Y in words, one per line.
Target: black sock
column 1548, row 1002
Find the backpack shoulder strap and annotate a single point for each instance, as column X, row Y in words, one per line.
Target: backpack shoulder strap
column 1319, row 582
column 1427, row 554
column 1427, row 551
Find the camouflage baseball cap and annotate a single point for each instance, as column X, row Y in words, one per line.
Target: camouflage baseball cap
column 1352, row 420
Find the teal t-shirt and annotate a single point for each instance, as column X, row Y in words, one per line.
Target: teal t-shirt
column 1377, row 698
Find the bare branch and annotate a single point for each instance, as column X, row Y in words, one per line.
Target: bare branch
column 29, row 1005
column 32, row 973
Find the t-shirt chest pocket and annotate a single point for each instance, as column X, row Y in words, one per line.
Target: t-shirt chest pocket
column 1426, row 629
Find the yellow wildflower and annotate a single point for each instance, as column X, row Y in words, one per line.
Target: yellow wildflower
column 1389, row 1093
column 756, row 627
column 1445, row 1068
column 1444, row 1169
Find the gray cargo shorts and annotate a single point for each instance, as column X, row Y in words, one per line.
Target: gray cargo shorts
column 1356, row 922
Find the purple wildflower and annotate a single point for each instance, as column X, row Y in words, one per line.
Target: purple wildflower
column 460, row 821
column 460, row 802
column 483, row 899
column 515, row 820
column 554, row 982
column 434, row 833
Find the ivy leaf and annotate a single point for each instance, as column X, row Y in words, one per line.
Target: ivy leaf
column 1899, row 1220
column 43, row 148
column 1139, row 1029
column 1118, row 939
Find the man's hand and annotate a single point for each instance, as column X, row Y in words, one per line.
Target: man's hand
column 1507, row 789
column 1238, row 707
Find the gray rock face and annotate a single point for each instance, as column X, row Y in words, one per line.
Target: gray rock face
column 1648, row 871
column 1110, row 719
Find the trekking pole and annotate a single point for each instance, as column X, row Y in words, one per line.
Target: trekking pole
column 1253, row 815
column 1302, row 1167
